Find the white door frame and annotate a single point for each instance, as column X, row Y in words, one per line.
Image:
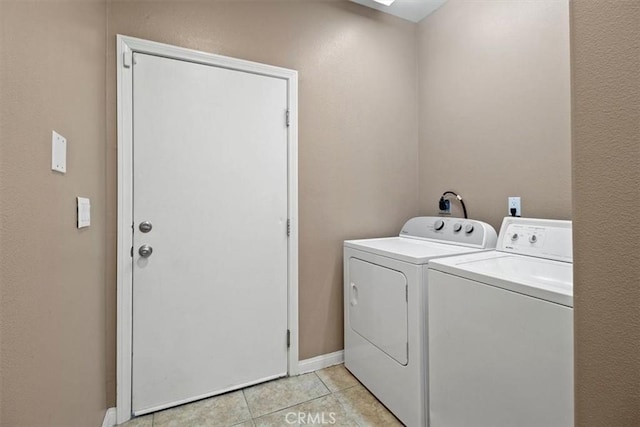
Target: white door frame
column 126, row 47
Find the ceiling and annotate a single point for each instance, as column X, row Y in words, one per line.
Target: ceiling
column 412, row 10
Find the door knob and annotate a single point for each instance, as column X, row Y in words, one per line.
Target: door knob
column 145, row 251
column 145, row 226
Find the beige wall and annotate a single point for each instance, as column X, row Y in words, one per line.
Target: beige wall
column 495, row 107
column 52, row 275
column 606, row 180
column 357, row 126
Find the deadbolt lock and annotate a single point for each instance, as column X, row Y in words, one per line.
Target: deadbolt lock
column 145, row 226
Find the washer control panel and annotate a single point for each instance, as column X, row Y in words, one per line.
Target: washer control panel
column 524, row 236
column 543, row 238
column 460, row 231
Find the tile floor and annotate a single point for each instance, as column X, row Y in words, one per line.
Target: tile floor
column 331, row 396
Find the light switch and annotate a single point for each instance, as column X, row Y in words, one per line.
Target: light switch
column 58, row 152
column 84, row 212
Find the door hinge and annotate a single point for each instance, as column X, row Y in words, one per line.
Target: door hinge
column 288, row 227
column 131, row 251
column 127, row 59
column 288, row 118
column 288, row 338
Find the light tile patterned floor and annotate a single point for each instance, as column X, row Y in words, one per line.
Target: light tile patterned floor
column 329, row 397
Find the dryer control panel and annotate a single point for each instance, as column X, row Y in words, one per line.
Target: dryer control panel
column 459, row 231
column 542, row 238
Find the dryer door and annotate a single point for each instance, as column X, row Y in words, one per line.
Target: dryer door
column 378, row 307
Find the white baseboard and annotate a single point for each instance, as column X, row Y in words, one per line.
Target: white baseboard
column 321, row 362
column 110, row 418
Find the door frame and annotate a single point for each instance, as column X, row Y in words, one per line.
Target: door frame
column 126, row 46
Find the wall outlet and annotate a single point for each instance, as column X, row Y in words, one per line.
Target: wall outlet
column 514, row 203
column 444, row 206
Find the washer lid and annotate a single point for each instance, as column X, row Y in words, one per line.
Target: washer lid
column 406, row 249
column 536, row 277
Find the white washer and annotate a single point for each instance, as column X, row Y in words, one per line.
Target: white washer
column 385, row 302
column 501, row 331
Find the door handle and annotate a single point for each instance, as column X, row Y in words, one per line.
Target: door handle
column 145, row 251
column 354, row 294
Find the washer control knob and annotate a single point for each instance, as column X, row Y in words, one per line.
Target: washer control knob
column 514, row 237
column 457, row 227
column 468, row 228
column 533, row 238
column 439, row 225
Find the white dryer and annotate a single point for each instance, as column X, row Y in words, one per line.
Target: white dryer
column 501, row 331
column 385, row 307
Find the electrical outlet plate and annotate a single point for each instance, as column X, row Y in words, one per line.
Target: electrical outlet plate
column 514, row 203
column 446, row 211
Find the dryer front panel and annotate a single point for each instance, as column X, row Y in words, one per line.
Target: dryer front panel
column 378, row 307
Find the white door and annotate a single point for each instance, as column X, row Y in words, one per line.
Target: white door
column 210, row 176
